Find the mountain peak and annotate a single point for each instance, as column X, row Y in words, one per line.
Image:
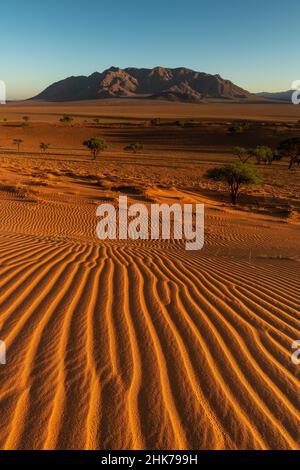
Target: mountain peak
column 177, row 84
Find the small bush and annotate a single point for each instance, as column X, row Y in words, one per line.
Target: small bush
column 134, row 148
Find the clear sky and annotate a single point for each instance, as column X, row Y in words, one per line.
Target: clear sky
column 253, row 43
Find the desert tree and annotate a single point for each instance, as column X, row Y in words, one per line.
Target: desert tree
column 235, row 175
column 95, row 145
column 290, row 148
column 18, row 143
column 242, row 154
column 44, row 146
column 134, row 148
column 25, row 119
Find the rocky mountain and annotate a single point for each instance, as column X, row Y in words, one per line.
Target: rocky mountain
column 179, row 84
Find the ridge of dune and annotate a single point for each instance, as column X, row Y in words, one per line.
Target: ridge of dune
column 192, row 348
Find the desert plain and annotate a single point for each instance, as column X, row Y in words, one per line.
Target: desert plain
column 142, row 344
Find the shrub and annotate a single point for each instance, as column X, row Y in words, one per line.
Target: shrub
column 66, row 119
column 238, row 128
column 134, row 148
column 155, row 121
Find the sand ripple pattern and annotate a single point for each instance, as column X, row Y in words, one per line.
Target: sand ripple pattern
column 115, row 348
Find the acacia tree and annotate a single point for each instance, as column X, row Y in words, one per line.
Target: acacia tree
column 25, row 119
column 95, row 145
column 135, row 148
column 243, row 154
column 235, row 175
column 18, row 142
column 290, row 148
column 44, row 146
column 264, row 154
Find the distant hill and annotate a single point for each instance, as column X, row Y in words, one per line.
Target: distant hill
column 179, row 84
column 279, row 96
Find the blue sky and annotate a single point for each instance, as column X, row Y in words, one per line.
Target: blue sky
column 255, row 44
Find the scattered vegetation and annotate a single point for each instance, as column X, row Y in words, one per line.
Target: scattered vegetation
column 129, row 189
column 66, row 119
column 261, row 153
column 155, row 121
column 238, row 128
column 235, row 175
column 95, row 145
column 134, row 148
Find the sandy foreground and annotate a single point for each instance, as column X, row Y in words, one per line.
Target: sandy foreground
column 137, row 344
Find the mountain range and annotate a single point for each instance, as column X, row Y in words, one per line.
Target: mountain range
column 178, row 84
column 277, row 96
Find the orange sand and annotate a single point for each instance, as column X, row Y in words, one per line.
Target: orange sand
column 139, row 345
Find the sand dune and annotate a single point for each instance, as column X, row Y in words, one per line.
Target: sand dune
column 110, row 349
column 148, row 347
column 139, row 345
